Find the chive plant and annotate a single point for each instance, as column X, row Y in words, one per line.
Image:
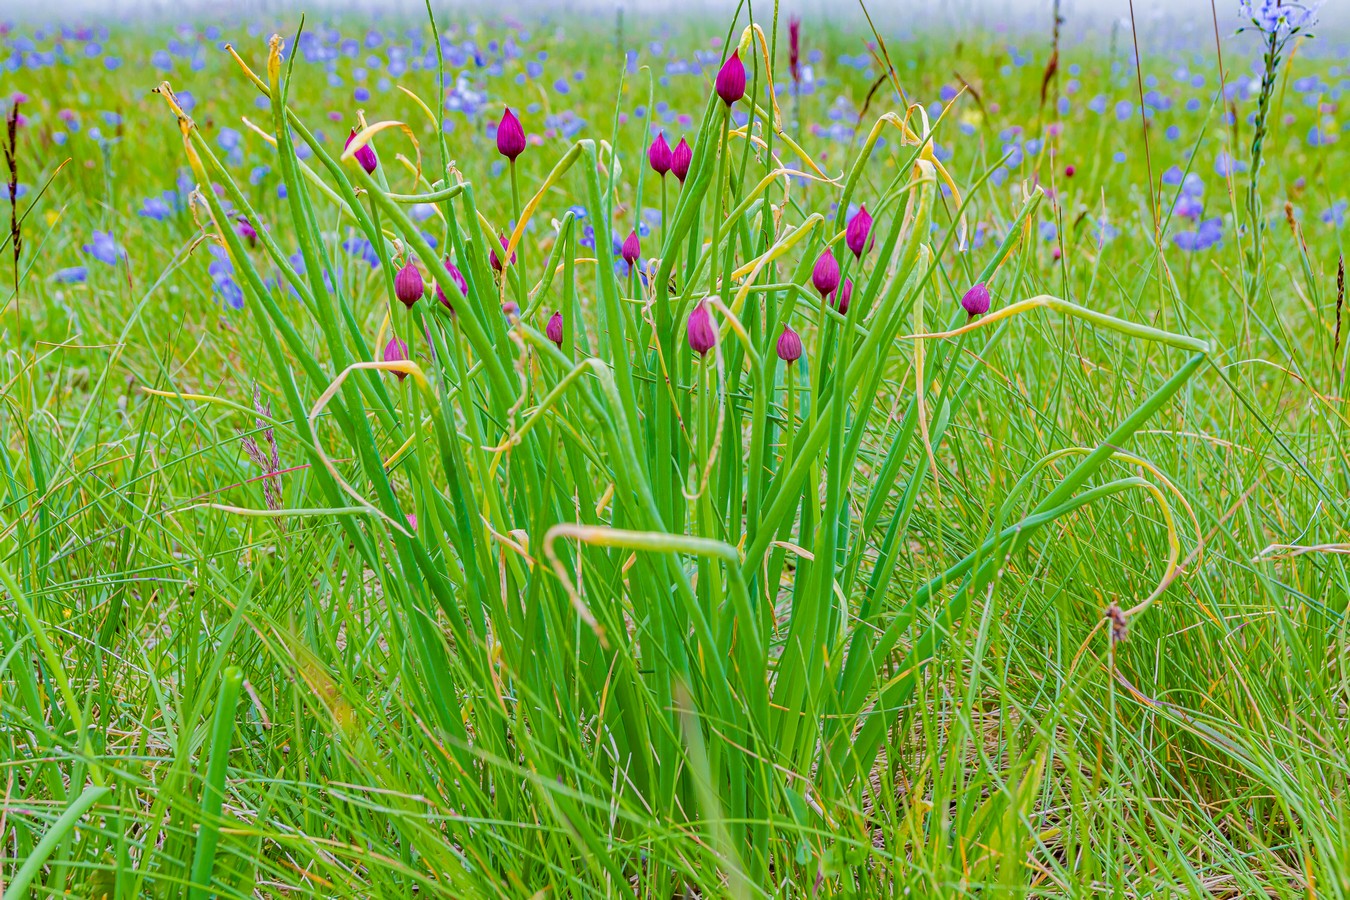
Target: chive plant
column 629, row 517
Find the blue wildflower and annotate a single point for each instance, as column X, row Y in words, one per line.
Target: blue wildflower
column 103, row 247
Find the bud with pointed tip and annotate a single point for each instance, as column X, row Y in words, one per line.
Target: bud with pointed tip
column 859, row 227
column 976, row 301
column 458, row 278
column 631, row 249
column 680, row 159
column 825, row 276
column 795, row 48
column 365, row 156
column 408, row 284
column 494, row 259
column 730, row 84
column 789, row 346
column 510, row 135
column 659, row 155
column 396, row 351
column 839, row 299
column 702, row 337
column 554, row 329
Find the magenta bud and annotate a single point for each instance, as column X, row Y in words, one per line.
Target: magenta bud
column 412, row 521
column 365, row 156
column 825, row 276
column 458, row 278
column 554, row 329
column 680, row 159
column 730, row 84
column 396, row 351
column 976, row 301
column 494, row 259
column 510, row 136
column 512, row 310
column 659, row 155
column 795, row 48
column 839, row 300
column 789, row 345
column 408, row 284
column 702, row 337
column 631, row 249
column 859, row 227
column 247, row 231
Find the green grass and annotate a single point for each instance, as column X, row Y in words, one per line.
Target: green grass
column 610, row 658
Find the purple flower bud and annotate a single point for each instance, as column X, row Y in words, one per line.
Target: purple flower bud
column 459, row 281
column 247, row 231
column 494, row 259
column 554, row 329
column 365, row 156
column 702, row 337
column 976, row 301
column 839, row 299
column 659, row 155
column 859, row 227
column 825, row 276
column 510, row 136
column 789, row 345
column 795, row 48
column 680, row 159
column 631, row 249
column 730, row 84
column 408, row 284
column 396, row 351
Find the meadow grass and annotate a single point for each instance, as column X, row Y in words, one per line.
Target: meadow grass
column 307, row 591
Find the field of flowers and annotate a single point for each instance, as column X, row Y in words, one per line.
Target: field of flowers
column 574, row 455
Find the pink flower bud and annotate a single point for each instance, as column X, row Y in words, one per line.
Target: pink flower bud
column 839, row 299
column 702, row 337
column 789, row 346
column 396, row 351
column 510, row 136
column 730, row 84
column 825, row 276
column 554, row 329
column 408, row 284
column 365, row 156
column 976, row 301
column 659, row 155
column 494, row 259
column 859, row 227
column 458, row 278
column 631, row 249
column 680, row 159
